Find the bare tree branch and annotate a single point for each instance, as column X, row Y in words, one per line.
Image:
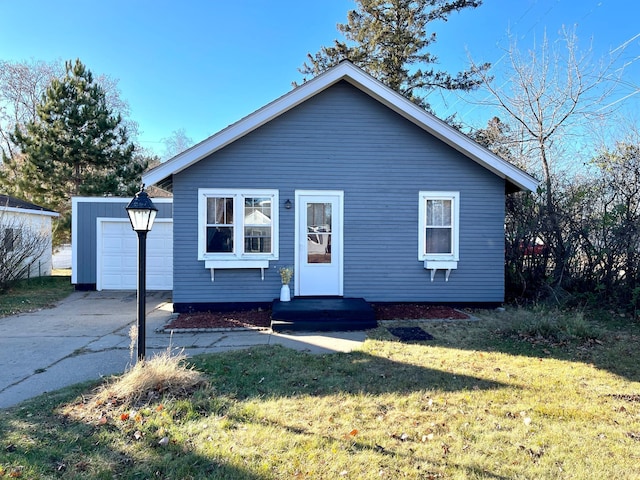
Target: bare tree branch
column 22, row 244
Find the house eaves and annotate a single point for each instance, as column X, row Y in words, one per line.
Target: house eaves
column 348, row 72
column 15, row 205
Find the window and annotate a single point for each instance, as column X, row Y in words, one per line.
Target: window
column 11, row 240
column 258, row 230
column 319, row 232
column 238, row 224
column 219, row 225
column 439, row 226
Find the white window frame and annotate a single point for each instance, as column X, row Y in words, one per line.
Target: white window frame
column 238, row 258
column 439, row 261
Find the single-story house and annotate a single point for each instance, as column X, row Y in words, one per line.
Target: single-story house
column 25, row 226
column 362, row 192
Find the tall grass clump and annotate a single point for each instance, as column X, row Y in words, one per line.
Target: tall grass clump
column 551, row 325
column 166, row 374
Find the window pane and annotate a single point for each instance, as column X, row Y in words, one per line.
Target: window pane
column 257, row 225
column 257, row 211
column 220, row 211
column 257, row 240
column 9, row 239
column 438, row 240
column 439, row 213
column 219, row 239
column 319, row 215
column 211, row 210
column 319, row 233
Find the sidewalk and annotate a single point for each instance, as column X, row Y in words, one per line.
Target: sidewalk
column 86, row 337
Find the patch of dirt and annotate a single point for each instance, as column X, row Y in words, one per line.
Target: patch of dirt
column 261, row 318
column 633, row 397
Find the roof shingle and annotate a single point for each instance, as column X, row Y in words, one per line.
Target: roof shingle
column 13, row 202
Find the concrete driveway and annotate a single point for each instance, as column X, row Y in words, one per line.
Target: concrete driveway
column 86, row 337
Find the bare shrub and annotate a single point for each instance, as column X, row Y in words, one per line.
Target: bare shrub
column 164, row 374
column 22, row 244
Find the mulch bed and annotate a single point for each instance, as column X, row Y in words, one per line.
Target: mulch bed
column 261, row 318
column 257, row 318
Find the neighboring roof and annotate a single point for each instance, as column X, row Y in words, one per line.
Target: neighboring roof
column 355, row 76
column 9, row 203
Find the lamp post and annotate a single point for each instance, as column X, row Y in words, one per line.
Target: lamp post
column 142, row 212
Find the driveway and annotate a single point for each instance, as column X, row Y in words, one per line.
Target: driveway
column 86, row 337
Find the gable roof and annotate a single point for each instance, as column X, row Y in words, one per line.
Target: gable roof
column 346, row 71
column 13, row 204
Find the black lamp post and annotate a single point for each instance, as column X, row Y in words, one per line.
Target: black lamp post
column 142, row 212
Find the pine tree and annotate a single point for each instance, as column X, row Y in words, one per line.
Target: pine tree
column 389, row 38
column 76, row 146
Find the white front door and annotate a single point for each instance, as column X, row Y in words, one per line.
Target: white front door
column 319, row 262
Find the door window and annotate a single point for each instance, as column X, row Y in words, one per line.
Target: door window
column 319, row 232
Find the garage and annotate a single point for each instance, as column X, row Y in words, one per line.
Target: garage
column 117, row 255
column 104, row 247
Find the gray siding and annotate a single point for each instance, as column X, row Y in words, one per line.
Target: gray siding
column 342, row 139
column 86, row 213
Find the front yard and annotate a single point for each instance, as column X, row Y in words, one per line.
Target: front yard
column 516, row 395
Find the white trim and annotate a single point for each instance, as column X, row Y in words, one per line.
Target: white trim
column 74, row 241
column 454, row 256
column 446, row 265
column 29, row 211
column 214, row 265
column 75, row 200
column 239, row 255
column 74, row 223
column 100, row 221
column 366, row 83
column 298, row 240
column 438, row 261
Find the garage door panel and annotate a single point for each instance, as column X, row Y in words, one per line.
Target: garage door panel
column 156, row 280
column 113, row 281
column 118, row 256
column 159, row 263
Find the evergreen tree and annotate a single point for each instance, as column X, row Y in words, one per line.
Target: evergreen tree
column 389, row 38
column 75, row 146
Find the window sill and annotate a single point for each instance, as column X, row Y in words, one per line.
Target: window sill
column 236, row 264
column 435, row 265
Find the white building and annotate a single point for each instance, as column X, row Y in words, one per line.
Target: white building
column 21, row 221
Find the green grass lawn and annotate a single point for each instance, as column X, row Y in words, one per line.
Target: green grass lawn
column 33, row 294
column 515, row 395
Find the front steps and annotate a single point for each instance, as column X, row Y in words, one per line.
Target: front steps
column 322, row 314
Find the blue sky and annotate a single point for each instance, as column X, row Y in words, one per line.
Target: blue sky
column 202, row 65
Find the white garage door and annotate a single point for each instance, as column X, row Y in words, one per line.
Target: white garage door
column 117, row 255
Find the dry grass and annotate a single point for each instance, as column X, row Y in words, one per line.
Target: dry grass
column 166, row 375
column 61, row 272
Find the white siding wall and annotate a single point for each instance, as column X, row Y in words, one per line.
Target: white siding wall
column 33, row 224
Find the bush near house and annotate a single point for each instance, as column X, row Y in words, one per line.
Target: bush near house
column 21, row 247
